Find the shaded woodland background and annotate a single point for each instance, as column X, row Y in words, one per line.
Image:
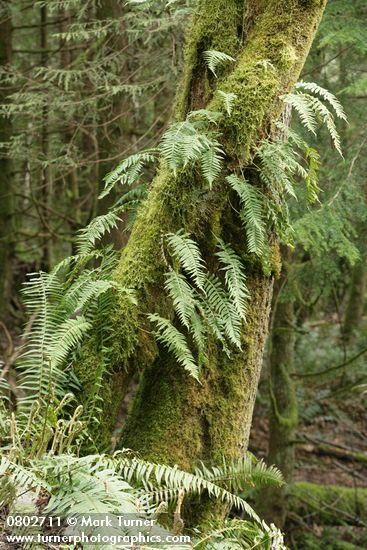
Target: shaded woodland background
column 85, row 84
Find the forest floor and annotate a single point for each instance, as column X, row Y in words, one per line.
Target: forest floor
column 334, row 446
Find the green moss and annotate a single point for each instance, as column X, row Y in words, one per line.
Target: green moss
column 329, row 504
column 216, row 25
column 333, row 539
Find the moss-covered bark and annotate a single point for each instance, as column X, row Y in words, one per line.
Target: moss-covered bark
column 283, row 414
column 6, row 197
column 174, row 418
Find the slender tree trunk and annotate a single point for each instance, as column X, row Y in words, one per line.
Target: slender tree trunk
column 6, row 196
column 45, row 176
column 356, row 302
column 283, row 414
column 173, row 418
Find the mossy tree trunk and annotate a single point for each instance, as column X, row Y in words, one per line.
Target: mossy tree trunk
column 6, row 197
column 173, row 418
column 283, row 413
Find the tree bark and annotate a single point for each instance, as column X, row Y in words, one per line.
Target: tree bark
column 283, row 414
column 6, row 196
column 356, row 302
column 174, row 419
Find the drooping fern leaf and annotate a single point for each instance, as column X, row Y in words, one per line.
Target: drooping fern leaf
column 234, row 277
column 228, row 99
column 227, row 316
column 182, row 296
column 187, row 252
column 311, row 109
column 175, row 342
column 99, row 226
column 128, row 171
column 251, row 213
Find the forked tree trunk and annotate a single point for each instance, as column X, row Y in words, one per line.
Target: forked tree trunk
column 175, row 419
column 6, row 197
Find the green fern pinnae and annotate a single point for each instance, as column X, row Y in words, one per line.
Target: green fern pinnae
column 176, row 343
column 66, row 338
column 228, row 99
column 99, row 226
column 211, row 162
column 311, row 180
column 251, row 213
column 228, row 317
column 238, row 534
column 198, row 331
column 127, row 171
column 310, row 108
column 301, row 104
column 179, row 145
column 327, row 118
column 187, row 252
column 242, row 474
column 165, row 483
column 324, row 94
column 234, row 277
column 214, row 58
column 182, row 296
column 188, row 142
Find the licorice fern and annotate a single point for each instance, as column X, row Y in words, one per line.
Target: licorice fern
column 187, row 252
column 191, row 141
column 128, row 171
column 251, row 213
column 214, row 58
column 202, row 302
column 311, row 109
column 175, row 342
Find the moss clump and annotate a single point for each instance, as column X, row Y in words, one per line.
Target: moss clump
column 216, row 25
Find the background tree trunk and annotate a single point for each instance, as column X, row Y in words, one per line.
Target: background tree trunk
column 356, row 301
column 283, row 413
column 6, row 194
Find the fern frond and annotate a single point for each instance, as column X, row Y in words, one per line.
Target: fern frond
column 226, row 314
column 185, row 143
column 99, row 226
column 241, row 475
column 251, row 213
column 182, row 296
column 127, row 171
column 163, row 483
column 187, row 252
column 300, row 103
column 211, row 162
column 228, row 99
column 237, row 534
column 325, row 94
column 327, row 118
column 67, row 337
column 234, row 277
column 176, row 343
column 214, row 58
